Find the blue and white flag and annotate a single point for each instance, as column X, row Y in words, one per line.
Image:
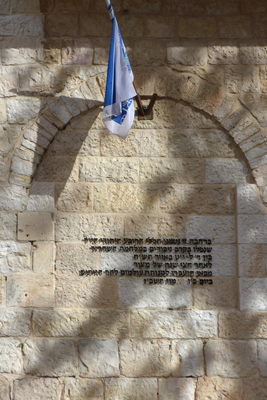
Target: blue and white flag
column 118, row 113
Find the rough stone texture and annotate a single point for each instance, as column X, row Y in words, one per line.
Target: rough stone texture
column 254, row 387
column 93, row 360
column 15, row 322
column 133, row 293
column 43, row 357
column 149, row 226
column 36, row 291
column 187, row 358
column 195, row 28
column 14, row 257
column 197, row 200
column 248, row 200
column 242, row 325
column 251, row 261
column 82, row 389
column 239, row 79
column 253, row 294
column 43, row 257
column 226, row 171
column 256, row 104
column 145, row 358
column 35, row 226
column 252, row 228
column 12, row 198
column 149, row 52
column 72, row 197
column 126, row 388
column 160, row 26
column 36, row 389
column 2, row 291
column 186, row 54
column 216, row 388
column 231, row 358
column 41, row 197
column 21, row 25
column 58, row 169
column 262, row 352
column 10, row 356
column 8, row 223
column 235, row 27
column 20, row 111
column 223, row 54
column 73, row 257
column 4, row 388
column 218, row 229
column 224, row 260
column 173, row 324
column 77, row 52
column 177, row 388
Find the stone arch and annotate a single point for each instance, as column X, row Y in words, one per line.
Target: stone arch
column 226, row 109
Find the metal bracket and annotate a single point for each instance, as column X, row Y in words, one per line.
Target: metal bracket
column 145, row 112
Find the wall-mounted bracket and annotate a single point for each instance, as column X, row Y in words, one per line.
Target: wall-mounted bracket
column 145, row 112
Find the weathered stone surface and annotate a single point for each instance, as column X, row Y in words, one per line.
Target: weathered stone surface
column 132, row 26
column 231, row 27
column 146, row 6
column 254, row 387
column 125, row 388
column 72, row 197
column 108, row 170
column 63, row 24
column 58, row 169
column 15, row 322
column 8, row 81
column 253, row 141
column 5, row 6
column 72, row 257
column 148, row 52
column 33, row 291
column 3, row 117
column 41, row 197
column 258, row 151
column 239, row 79
column 197, row 28
column 18, row 6
column 224, row 260
column 222, row 294
column 223, row 54
column 124, row 198
column 20, row 111
column 226, row 171
column 2, row 290
column 252, row 228
column 51, row 51
column 253, row 294
column 77, row 227
column 215, row 388
column 251, row 263
column 231, row 359
column 263, row 74
column 218, row 229
column 160, row 26
column 27, row 155
column 14, row 257
column 94, row 25
column 145, row 358
column 107, row 324
column 36, row 389
column 4, row 388
column 99, row 291
column 82, row 389
column 10, row 356
column 184, row 199
column 256, row 103
column 177, row 388
column 40, row 79
column 133, row 293
column 187, row 358
column 173, row 324
column 259, row 22
column 164, row 171
column 22, row 167
column 35, row 226
column 253, row 54
column 43, row 257
column 12, row 198
column 164, row 117
column 44, row 357
column 248, row 200
column 77, row 52
column 149, row 226
column 8, row 222
column 242, row 325
column 225, row 108
column 186, row 54
column 21, row 25
column 189, row 118
column 98, row 358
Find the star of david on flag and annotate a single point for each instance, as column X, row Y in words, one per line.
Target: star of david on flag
column 118, row 113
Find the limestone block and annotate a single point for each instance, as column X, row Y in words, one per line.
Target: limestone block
column 12, row 198
column 148, row 226
column 225, row 108
column 254, row 387
column 22, row 167
column 177, row 388
column 231, row 27
column 27, row 155
column 234, row 118
column 259, row 138
column 18, row 50
column 184, row 199
column 59, row 322
column 40, row 79
column 82, row 389
column 4, row 388
column 20, row 111
column 197, row 28
column 74, row 5
column 18, row 6
column 253, row 54
column 8, row 136
column 63, row 24
column 133, row 293
column 76, row 227
column 145, row 358
column 173, row 324
column 58, row 169
column 125, row 198
column 251, row 263
column 108, row 170
column 253, row 294
column 35, row 226
column 2, row 290
column 60, row 111
column 242, row 325
column 164, row 117
column 106, row 324
column 72, row 197
column 5, row 6
column 43, row 357
column 8, row 81
column 223, row 54
column 242, row 79
column 41, row 197
column 226, row 171
column 215, row 388
column 186, row 54
column 256, row 104
column 43, row 257
column 77, row 52
column 94, row 25
column 3, row 117
column 119, row 261
column 231, row 359
column 160, row 170
column 28, row 145
column 36, row 389
column 160, row 26
column 10, row 356
column 14, row 257
column 252, row 228
column 8, row 222
column 224, row 260
column 51, row 51
column 44, row 123
column 101, row 45
column 137, row 144
column 258, row 151
column 4, row 170
column 15, row 322
column 21, row 25
column 260, row 25
column 189, row 118
column 72, row 257
column 87, row 291
column 71, row 105
column 149, row 53
column 98, row 358
column 263, row 75
column 122, row 388
column 187, row 358
column 248, row 201
column 222, row 294
column 218, row 229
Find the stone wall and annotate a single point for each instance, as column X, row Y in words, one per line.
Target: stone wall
column 70, row 191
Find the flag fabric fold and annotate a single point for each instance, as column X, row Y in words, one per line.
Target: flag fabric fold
column 118, row 113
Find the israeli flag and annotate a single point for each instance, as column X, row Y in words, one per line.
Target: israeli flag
column 118, row 113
